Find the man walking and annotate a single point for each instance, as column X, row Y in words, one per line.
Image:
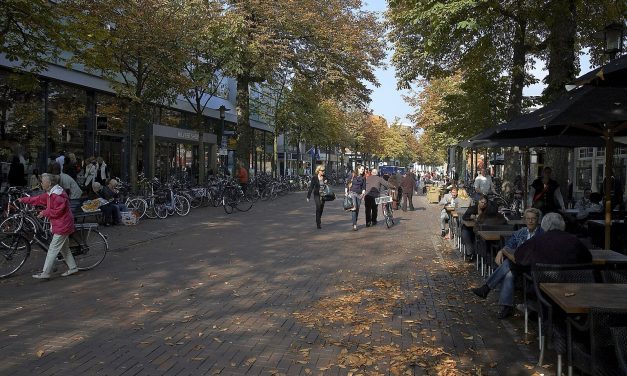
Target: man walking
column 407, row 185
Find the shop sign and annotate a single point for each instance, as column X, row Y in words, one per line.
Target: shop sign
column 187, row 135
column 232, row 144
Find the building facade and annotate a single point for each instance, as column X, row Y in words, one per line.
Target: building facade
column 76, row 112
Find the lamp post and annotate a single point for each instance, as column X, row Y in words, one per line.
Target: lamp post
column 613, row 35
column 223, row 144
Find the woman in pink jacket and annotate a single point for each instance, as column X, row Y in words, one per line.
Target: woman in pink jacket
column 58, row 212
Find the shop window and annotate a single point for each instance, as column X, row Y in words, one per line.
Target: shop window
column 111, row 114
column 171, row 118
column 600, row 152
column 585, row 152
column 584, row 177
column 68, row 119
column 21, row 121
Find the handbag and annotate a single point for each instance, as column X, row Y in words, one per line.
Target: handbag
column 328, row 194
column 348, row 202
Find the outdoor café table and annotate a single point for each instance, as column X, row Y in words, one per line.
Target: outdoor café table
column 607, row 256
column 578, row 298
column 490, row 237
column 493, row 235
column 516, row 222
column 469, row 223
column 618, row 240
column 599, row 256
column 450, row 210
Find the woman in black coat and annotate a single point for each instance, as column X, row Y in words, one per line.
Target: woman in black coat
column 316, row 186
column 16, row 173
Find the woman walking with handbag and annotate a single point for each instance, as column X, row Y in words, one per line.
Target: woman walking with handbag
column 356, row 187
column 317, row 186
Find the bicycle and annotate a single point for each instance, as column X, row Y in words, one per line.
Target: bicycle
column 88, row 245
column 386, row 207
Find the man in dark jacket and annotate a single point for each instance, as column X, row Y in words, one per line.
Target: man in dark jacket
column 555, row 246
column 374, row 186
column 407, row 185
column 546, row 193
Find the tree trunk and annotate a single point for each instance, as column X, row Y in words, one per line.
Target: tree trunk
column 244, row 131
column 562, row 24
column 557, row 159
column 512, row 167
column 518, row 71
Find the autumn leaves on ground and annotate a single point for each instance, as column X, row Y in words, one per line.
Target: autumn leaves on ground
column 355, row 318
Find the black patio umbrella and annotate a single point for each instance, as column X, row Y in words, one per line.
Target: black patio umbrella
column 588, row 111
column 613, row 74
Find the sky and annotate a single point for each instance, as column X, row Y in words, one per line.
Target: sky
column 388, row 102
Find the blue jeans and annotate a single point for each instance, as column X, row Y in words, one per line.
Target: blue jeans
column 356, row 202
column 504, row 277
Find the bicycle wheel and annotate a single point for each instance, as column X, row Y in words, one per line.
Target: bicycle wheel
column 196, row 199
column 181, row 205
column 14, row 250
column 227, row 205
column 89, row 247
column 389, row 219
column 26, row 226
column 137, row 205
column 151, row 212
column 265, row 194
column 244, row 203
column 161, row 211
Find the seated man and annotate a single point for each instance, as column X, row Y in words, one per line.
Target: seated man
column 503, row 275
column 111, row 213
column 110, row 190
column 449, row 199
column 555, row 246
column 585, row 206
column 483, row 211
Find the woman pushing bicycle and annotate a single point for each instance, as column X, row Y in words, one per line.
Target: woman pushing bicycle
column 58, row 212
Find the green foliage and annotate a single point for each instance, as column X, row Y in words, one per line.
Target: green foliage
column 31, row 31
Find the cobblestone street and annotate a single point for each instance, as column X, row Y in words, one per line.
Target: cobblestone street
column 263, row 293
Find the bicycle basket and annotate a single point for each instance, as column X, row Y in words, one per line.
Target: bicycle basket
column 383, row 199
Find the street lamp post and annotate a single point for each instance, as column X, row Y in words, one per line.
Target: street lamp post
column 223, row 145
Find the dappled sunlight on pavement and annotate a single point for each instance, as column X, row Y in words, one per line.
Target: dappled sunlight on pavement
column 264, row 292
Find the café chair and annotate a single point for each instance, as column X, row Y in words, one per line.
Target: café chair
column 614, row 276
column 591, row 347
column 550, row 323
column 486, row 250
column 619, row 334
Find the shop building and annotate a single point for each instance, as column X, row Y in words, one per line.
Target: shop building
column 76, row 112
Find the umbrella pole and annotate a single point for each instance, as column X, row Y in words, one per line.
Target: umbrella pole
column 609, row 160
column 525, row 177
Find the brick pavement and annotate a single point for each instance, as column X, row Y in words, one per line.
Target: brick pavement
column 263, row 293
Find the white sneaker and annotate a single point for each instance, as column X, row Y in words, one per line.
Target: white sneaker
column 69, row 272
column 41, row 276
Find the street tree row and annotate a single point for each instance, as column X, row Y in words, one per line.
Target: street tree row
column 475, row 57
column 152, row 51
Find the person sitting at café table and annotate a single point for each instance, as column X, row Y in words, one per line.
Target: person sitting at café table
column 110, row 212
column 503, row 275
column 482, row 212
column 546, row 193
column 555, row 246
column 448, row 200
column 585, row 206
